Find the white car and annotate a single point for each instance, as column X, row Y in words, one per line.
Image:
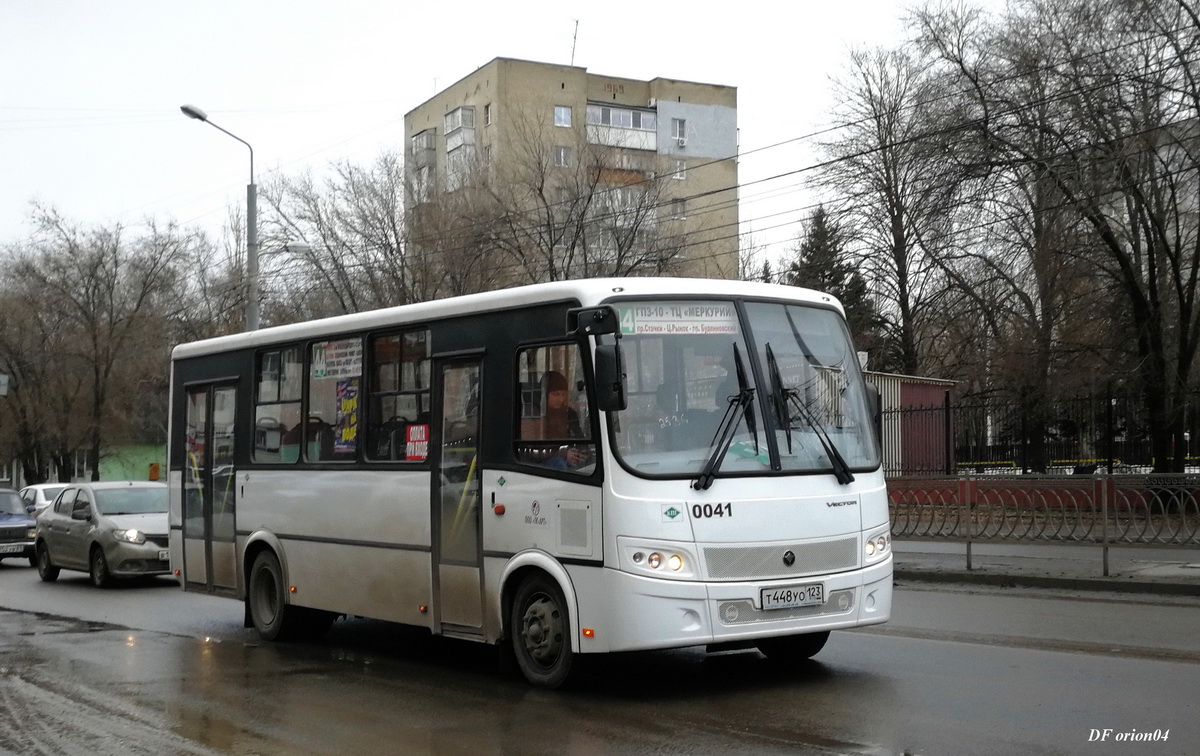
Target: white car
column 108, row 529
column 40, row 495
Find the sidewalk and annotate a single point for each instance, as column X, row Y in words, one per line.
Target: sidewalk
column 1168, row 571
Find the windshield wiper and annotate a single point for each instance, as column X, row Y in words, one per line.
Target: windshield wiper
column 785, row 399
column 739, row 406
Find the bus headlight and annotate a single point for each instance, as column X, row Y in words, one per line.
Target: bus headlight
column 659, row 560
column 877, row 545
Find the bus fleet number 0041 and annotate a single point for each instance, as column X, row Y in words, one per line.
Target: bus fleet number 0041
column 700, row 511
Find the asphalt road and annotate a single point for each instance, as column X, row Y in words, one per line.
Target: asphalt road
column 145, row 668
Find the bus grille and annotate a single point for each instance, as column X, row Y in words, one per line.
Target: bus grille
column 766, row 562
column 742, row 612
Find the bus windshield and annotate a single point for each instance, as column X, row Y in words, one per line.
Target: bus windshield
column 700, row 399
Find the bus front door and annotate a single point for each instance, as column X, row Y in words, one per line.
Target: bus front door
column 457, row 555
column 209, row 548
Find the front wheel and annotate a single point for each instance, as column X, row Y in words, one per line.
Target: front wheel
column 540, row 627
column 793, row 648
column 46, row 569
column 98, row 568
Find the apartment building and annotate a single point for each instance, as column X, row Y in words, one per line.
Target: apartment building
column 536, row 171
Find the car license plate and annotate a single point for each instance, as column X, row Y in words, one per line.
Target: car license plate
column 12, row 548
column 164, row 554
column 792, row 596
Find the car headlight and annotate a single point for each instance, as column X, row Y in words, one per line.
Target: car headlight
column 131, row 535
column 31, row 533
column 877, row 545
column 657, row 559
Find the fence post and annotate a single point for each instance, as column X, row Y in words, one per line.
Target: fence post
column 966, row 495
column 948, row 421
column 1108, row 419
column 1104, row 515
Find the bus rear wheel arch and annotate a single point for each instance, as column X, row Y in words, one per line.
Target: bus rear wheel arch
column 540, row 630
column 270, row 613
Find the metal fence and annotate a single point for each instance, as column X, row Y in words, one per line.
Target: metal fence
column 1105, row 510
column 1063, row 436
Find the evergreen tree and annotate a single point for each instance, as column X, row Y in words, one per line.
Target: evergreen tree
column 822, row 263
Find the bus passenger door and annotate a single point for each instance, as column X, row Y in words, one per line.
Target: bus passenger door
column 209, row 532
column 457, row 557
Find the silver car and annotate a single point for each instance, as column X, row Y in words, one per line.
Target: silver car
column 108, row 529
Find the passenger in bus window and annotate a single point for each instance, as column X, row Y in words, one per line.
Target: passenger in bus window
column 561, row 422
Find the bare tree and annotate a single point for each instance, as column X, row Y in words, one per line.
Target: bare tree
column 108, row 291
column 1110, row 132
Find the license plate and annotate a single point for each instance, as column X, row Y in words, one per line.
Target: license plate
column 792, row 596
column 13, row 548
column 164, row 554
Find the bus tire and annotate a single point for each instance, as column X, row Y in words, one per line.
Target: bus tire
column 791, row 649
column 266, row 596
column 540, row 628
column 46, row 569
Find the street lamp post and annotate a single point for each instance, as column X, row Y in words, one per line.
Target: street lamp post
column 252, row 304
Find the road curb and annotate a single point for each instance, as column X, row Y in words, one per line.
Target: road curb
column 1045, row 581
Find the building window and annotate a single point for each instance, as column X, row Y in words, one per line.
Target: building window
column 562, row 157
column 626, row 118
column 679, row 129
column 487, row 114
column 562, row 115
column 680, row 172
column 460, row 118
column 678, row 209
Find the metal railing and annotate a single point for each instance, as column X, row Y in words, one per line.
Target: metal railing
column 1103, row 510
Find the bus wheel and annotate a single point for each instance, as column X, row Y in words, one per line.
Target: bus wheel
column 272, row 617
column 541, row 632
column 793, row 648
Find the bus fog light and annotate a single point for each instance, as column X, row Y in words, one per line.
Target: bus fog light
column 675, row 562
column 638, row 557
column 881, row 544
column 870, row 548
column 655, row 560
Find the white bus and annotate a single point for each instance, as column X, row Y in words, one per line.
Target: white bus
column 572, row 468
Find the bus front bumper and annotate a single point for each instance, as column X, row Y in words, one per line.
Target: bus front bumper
column 673, row 614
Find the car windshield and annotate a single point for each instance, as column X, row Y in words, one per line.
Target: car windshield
column 10, row 503
column 702, row 402
column 132, row 500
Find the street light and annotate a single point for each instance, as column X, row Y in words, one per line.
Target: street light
column 191, row 111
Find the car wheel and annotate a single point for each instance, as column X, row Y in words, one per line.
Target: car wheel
column 540, row 627
column 46, row 569
column 98, row 568
column 791, row 649
column 273, row 618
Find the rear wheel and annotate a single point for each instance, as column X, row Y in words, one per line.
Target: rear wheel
column 793, row 648
column 46, row 569
column 98, row 568
column 540, row 627
column 273, row 617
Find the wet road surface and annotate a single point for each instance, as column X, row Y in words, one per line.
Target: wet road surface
column 146, row 669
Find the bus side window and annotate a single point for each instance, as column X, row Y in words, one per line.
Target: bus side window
column 554, row 426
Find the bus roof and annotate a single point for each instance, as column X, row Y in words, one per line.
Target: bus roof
column 587, row 291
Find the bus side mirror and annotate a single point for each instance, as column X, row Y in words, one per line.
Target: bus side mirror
column 591, row 321
column 610, row 378
column 875, row 406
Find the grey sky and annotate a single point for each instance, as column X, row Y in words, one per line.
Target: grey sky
column 90, row 91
